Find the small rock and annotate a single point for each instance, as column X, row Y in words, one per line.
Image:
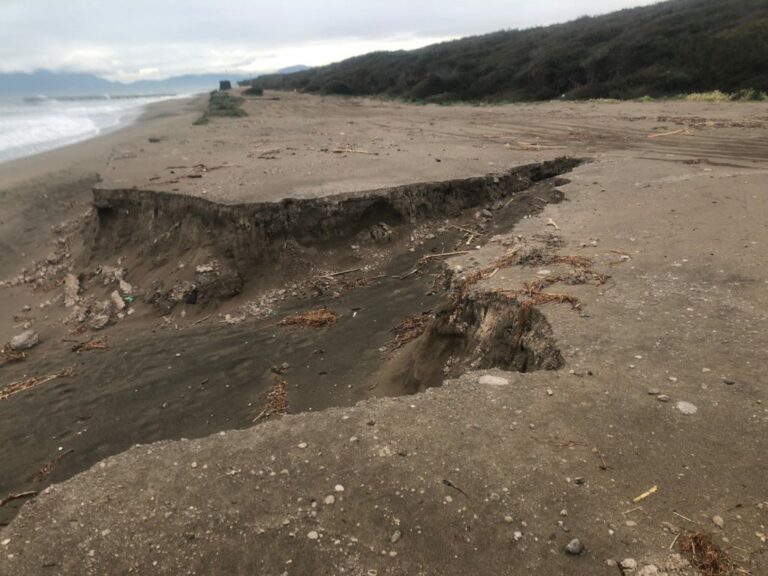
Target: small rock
column 686, row 407
column 193, row 465
column 313, row 535
column 330, row 500
column 574, row 547
column 629, row 564
column 338, row 488
column 24, row 341
column 117, row 300
column 630, row 523
column 396, row 535
column 508, row 519
column 302, row 445
column 26, row 308
column 662, row 398
column 71, row 290
column 654, row 392
column 718, row 521
column 650, row 570
column 99, row 321
column 729, row 382
column 517, row 535
column 489, row 380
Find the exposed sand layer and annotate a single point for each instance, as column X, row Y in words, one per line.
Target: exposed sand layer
column 624, row 327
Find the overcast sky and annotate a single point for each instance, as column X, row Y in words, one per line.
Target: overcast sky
column 132, row 39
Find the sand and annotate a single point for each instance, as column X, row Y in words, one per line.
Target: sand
column 475, row 477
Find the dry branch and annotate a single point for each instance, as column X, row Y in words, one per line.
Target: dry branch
column 22, row 385
column 312, row 319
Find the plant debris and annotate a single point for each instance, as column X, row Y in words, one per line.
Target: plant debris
column 705, row 555
column 410, row 329
column 46, row 470
column 93, row 344
column 312, row 319
column 19, row 496
column 277, row 399
column 16, row 387
column 12, row 355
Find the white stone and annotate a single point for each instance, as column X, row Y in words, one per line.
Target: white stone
column 313, row 535
column 489, row 380
column 338, row 488
column 686, row 407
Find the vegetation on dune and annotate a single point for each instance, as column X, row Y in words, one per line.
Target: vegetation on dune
column 670, row 48
column 222, row 104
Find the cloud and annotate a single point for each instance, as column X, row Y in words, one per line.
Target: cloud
column 156, row 38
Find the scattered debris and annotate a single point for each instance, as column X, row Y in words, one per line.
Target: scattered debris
column 92, row 344
column 12, row 355
column 705, row 555
column 16, row 387
column 645, row 494
column 277, row 399
column 19, row 496
column 46, row 470
column 672, row 133
column 452, row 485
column 312, row 319
column 410, row 329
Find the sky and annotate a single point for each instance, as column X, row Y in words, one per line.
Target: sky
column 129, row 40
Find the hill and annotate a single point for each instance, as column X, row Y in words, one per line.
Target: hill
column 674, row 47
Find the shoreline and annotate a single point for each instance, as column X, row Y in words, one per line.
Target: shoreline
column 89, row 154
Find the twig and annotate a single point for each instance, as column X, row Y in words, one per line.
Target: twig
column 684, row 518
column 444, row 255
column 19, row 496
column 635, row 509
column 46, row 470
column 672, row 133
column 677, row 537
column 645, row 494
column 353, row 151
column 342, row 273
column 467, row 230
column 203, row 319
column 452, row 485
column 552, row 223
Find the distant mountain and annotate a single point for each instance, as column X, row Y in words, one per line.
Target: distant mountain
column 292, row 69
column 44, row 82
column 667, row 48
column 47, row 83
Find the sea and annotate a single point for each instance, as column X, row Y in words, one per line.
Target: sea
column 36, row 124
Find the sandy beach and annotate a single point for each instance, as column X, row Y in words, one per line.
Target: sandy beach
column 548, row 322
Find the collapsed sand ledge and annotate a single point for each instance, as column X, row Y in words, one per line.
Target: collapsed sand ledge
column 249, row 236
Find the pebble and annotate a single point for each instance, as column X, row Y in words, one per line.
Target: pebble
column 194, row 465
column 508, row 519
column 650, row 570
column 313, row 535
column 6, row 542
column 396, row 535
column 629, row 564
column 517, row 535
column 489, row 380
column 330, row 499
column 574, row 547
column 686, row 407
column 303, row 445
column 24, row 341
column 654, row 392
column 338, row 488
column 662, row 398
column 718, row 521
